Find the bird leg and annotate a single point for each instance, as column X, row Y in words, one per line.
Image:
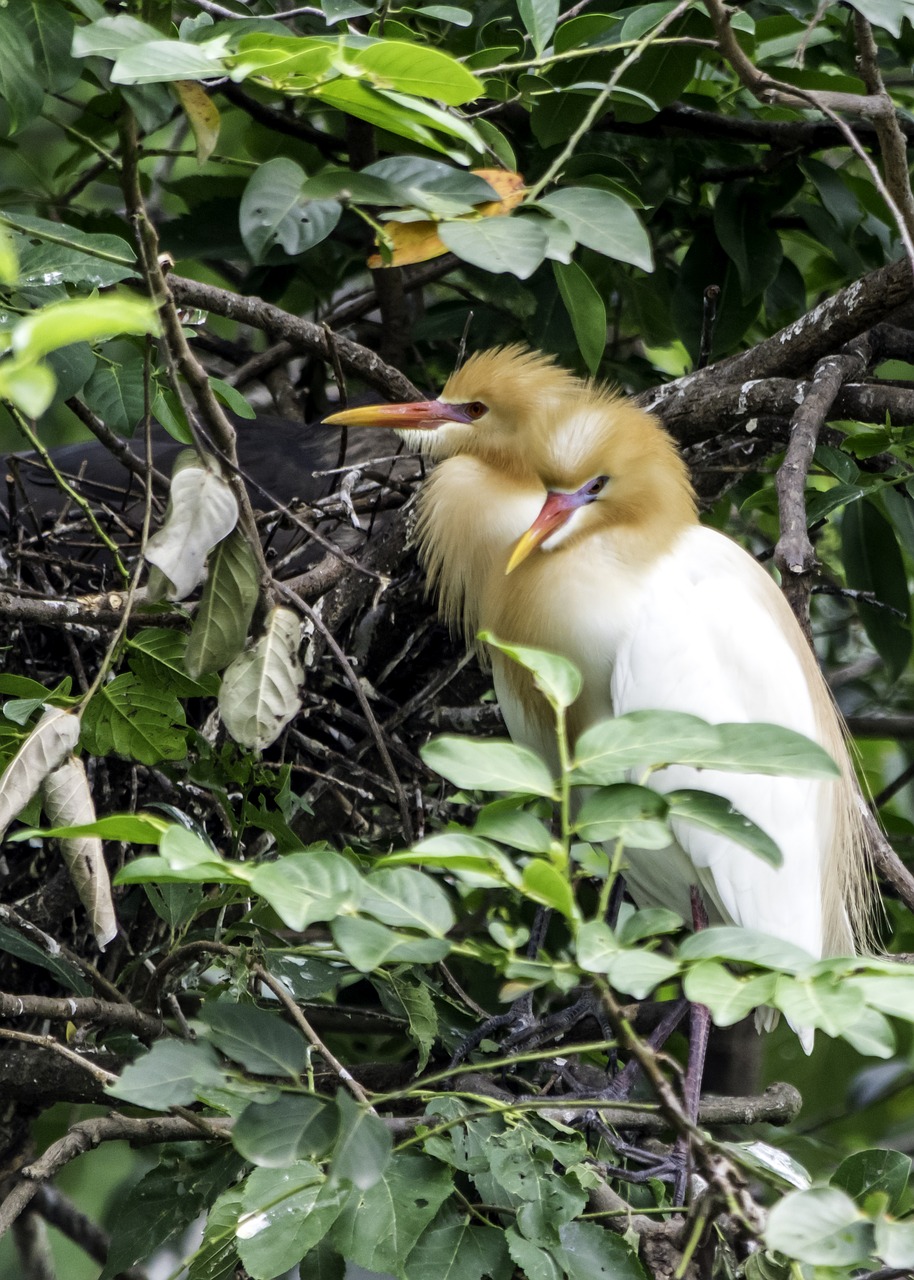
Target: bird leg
column 520, row 1016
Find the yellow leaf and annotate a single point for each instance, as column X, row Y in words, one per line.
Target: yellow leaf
column 411, row 242
column 202, row 115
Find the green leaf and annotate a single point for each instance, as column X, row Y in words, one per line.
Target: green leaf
column 157, row 655
column 108, row 36
column 286, row 1213
column 557, row 678
column 463, row 854
column 49, row 29
column 414, row 1000
column 638, row 972
column 256, row 1038
column 590, row 1252
column 417, row 69
column 407, row 899
column 889, row 994
column 545, row 884
column 716, row 813
column 501, row 820
column 457, row 1248
column 488, row 765
column 648, row 923
column 822, row 1001
column 872, row 1035
column 822, row 1226
column 367, row 944
column 135, row 720
column 636, row 815
column 132, row 828
column 407, row 117
column 162, row 61
column 729, row 942
column 63, row 972
column 888, row 14
column 539, row 18
column 876, row 1170
column 51, row 253
column 743, row 226
column 729, row 998
column 226, row 607
column 596, row 946
column 21, row 93
column 82, row 320
column 602, row 221
column 652, row 739
column 170, row 1075
column 116, row 393
column 276, row 1134
column 363, row 1148
column 303, row 888
column 895, row 1242
column 378, row 1227
column 274, row 212
column 515, row 244
column 585, row 310
column 873, row 562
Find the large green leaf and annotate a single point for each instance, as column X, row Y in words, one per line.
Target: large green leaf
column 513, row 244
column 379, row 1227
column 21, row 93
column 226, row 607
column 303, row 888
column 488, row 765
column 417, row 69
column 873, row 563
column 557, row 678
column 275, row 1134
column 650, row 739
column 821, row 1226
column 407, row 899
column 274, row 212
column 138, row 721
column 172, row 1073
column 717, row 814
column 585, row 309
column 602, row 221
column 286, row 1213
column 539, row 17
column 256, row 1038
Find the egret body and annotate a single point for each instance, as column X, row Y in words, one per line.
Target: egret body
column 561, row 516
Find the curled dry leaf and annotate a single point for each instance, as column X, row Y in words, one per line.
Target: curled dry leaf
column 202, row 510
column 419, row 241
column 260, row 689
column 48, row 745
column 68, row 802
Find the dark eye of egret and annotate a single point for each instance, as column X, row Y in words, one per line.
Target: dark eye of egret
column 475, row 409
column 595, row 487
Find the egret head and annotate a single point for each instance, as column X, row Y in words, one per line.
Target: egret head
column 492, row 408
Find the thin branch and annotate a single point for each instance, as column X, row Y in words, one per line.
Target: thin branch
column 295, row 1013
column 81, row 1009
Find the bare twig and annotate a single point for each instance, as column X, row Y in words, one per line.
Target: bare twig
column 295, row 1013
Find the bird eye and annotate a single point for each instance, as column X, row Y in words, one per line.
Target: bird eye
column 596, row 486
column 475, row 409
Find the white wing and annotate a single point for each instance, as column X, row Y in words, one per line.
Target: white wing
column 709, row 639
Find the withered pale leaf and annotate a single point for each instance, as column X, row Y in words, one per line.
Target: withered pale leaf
column 48, row 745
column 260, row 689
column 202, row 510
column 68, row 802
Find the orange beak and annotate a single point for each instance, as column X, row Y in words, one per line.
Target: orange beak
column 419, row 415
column 555, row 511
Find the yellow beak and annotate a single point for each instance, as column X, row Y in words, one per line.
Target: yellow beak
column 555, row 511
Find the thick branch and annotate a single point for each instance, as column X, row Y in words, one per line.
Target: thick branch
column 303, row 335
column 84, row 1137
column 794, row 555
column 81, row 1009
